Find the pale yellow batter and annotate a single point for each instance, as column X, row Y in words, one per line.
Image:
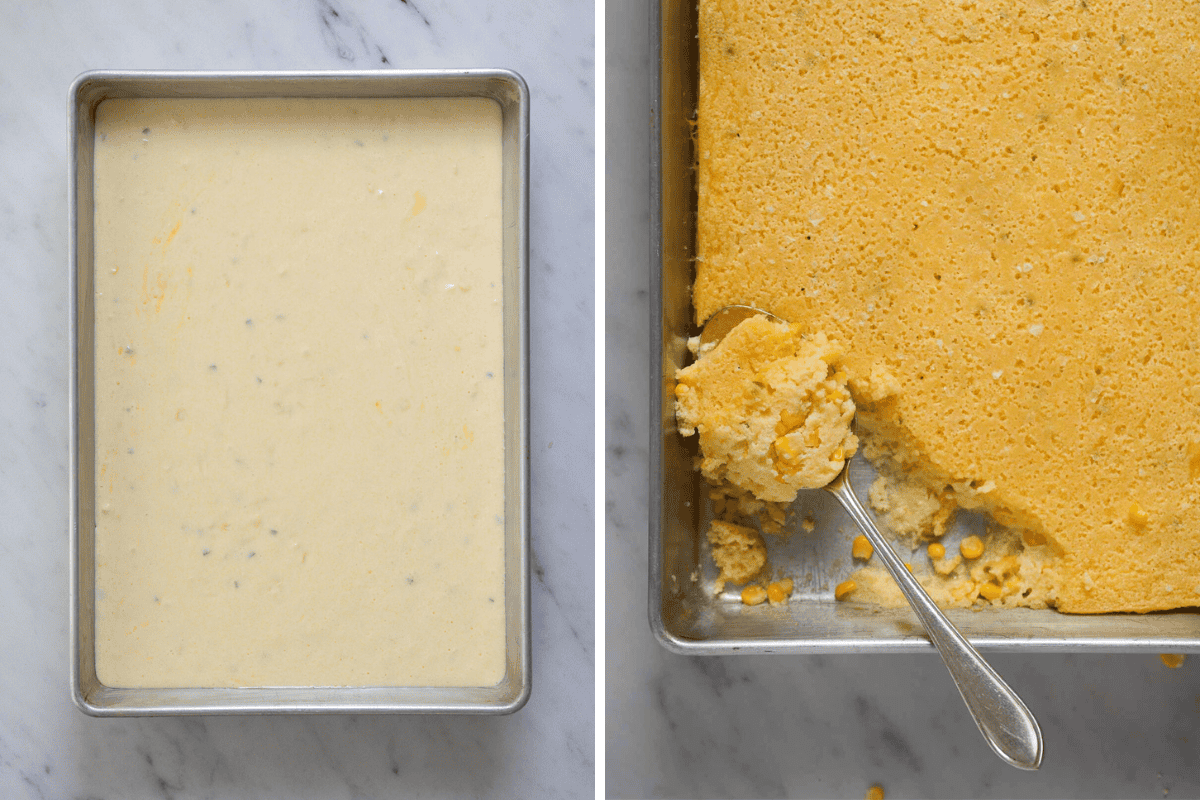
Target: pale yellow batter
column 299, row 393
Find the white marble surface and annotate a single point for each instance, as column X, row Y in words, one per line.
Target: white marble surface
column 824, row 726
column 50, row 750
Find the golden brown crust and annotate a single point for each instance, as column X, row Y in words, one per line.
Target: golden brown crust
column 998, row 204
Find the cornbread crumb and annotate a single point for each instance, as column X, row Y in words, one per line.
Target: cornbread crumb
column 943, row 565
column 874, row 793
column 738, row 552
column 731, row 501
column 772, row 411
column 1173, row 660
column 910, row 509
column 876, row 386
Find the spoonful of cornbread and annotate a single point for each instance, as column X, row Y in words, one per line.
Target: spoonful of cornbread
column 774, row 416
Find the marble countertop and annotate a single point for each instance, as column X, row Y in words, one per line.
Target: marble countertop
column 48, row 749
column 823, row 725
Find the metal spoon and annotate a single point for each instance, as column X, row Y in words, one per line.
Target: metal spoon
column 1005, row 722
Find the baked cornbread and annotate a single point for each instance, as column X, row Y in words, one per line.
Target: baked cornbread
column 996, row 203
column 1007, row 572
column 771, row 408
column 738, row 552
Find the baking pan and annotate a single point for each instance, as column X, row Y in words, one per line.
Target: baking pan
column 509, row 90
column 685, row 614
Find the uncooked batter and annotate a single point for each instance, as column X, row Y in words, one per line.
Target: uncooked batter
column 299, row 393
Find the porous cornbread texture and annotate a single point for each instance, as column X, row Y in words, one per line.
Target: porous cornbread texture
column 739, row 552
column 1000, row 202
column 772, row 411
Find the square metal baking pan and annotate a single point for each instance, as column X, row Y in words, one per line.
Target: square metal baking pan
column 509, row 91
column 685, row 615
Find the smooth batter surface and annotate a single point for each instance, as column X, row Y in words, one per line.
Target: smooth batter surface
column 299, row 393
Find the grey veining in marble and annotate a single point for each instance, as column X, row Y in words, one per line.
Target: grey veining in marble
column 823, row 726
column 50, row 750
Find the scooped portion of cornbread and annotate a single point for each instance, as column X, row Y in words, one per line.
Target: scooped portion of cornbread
column 1001, row 204
column 772, row 410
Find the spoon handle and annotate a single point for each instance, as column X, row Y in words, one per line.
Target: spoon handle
column 1005, row 721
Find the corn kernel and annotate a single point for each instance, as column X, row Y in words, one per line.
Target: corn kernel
column 839, row 454
column 753, row 595
column 813, row 439
column 875, row 793
column 779, row 591
column 1033, row 539
column 937, row 550
column 971, row 547
column 843, row 590
column 862, row 547
column 1193, row 457
column 790, row 420
column 989, row 591
column 908, row 566
column 1138, row 515
column 1172, row 660
column 840, row 376
column 785, row 450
